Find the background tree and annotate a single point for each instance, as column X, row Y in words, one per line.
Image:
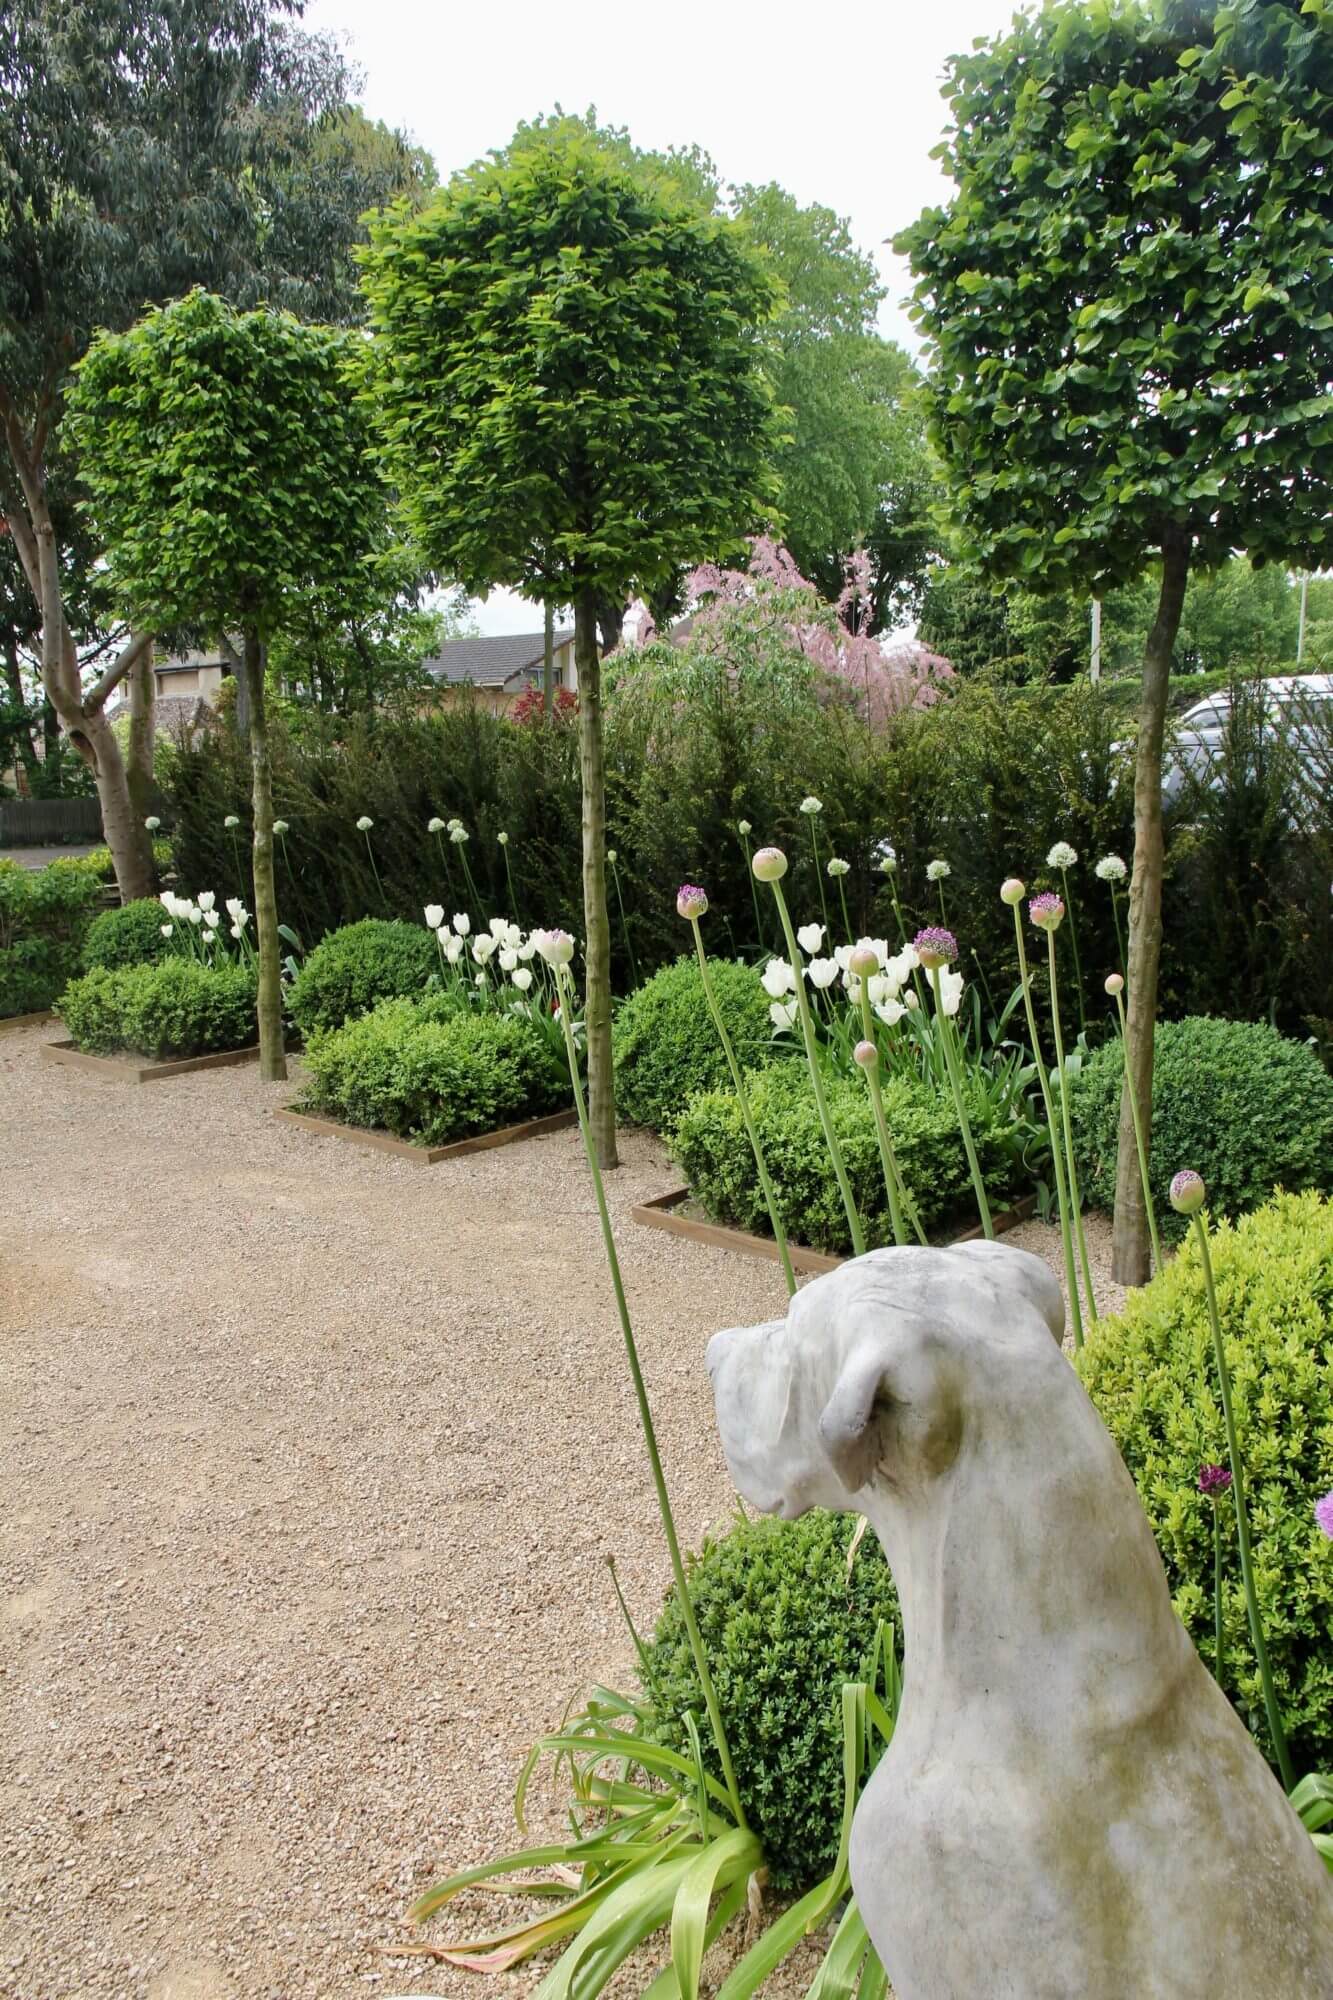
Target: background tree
column 567, row 381
column 1128, row 301
column 228, row 478
column 127, row 174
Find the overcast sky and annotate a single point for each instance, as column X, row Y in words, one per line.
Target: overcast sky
column 843, row 109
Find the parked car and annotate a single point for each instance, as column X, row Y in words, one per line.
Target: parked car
column 1299, row 706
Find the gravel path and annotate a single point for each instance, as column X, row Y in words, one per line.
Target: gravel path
column 313, row 1463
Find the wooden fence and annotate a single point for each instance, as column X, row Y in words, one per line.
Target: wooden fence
column 48, row 822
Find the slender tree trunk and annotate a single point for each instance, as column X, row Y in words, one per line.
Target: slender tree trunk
column 24, row 741
column 596, row 921
column 272, row 1064
column 1130, row 1246
column 139, row 763
column 548, row 664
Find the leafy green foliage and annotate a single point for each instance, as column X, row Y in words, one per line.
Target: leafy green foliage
column 1234, row 1100
column 666, row 1047
column 353, row 969
column 44, row 918
column 1151, row 1373
column 131, row 935
column 785, row 1619
column 175, row 1008
column 433, row 1074
column 712, row 1145
column 1129, row 340
column 567, row 373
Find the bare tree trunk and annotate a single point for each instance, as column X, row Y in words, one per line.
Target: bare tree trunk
column 24, row 740
column 1130, row 1245
column 139, row 764
column 596, row 921
column 272, row 1063
column 548, row 664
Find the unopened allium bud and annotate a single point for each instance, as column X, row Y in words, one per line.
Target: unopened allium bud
column 1012, row 891
column 691, row 902
column 837, row 867
column 556, row 947
column 1115, row 983
column 866, row 1054
column 1062, row 855
column 938, row 871
column 864, row 962
column 769, row 864
column 1047, row 912
column 935, row 946
column 1187, row 1191
column 1110, row 869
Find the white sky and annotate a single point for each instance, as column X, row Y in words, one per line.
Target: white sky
column 839, row 108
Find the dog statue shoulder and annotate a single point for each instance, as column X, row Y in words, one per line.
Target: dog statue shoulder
column 1069, row 1808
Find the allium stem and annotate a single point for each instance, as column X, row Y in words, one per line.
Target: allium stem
column 819, row 872
column 854, row 1222
column 477, row 903
column 1075, row 1199
column 1275, row 1729
column 509, row 878
column 375, row 871
column 565, row 989
column 1140, row 1147
column 846, row 920
column 1119, row 933
column 743, row 1099
column 1061, row 1191
column 960, row 1104
column 448, row 872
column 944, row 914
column 894, row 1185
column 754, row 895
column 624, row 927
column 1073, row 939
column 242, row 884
column 898, row 910
column 1217, row 1592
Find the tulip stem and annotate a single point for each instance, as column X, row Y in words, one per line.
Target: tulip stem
column 1141, row 1148
column 960, row 1104
column 1061, row 1192
column 743, row 1099
column 1075, row 1199
column 1275, row 1729
column 565, row 989
column 894, row 1185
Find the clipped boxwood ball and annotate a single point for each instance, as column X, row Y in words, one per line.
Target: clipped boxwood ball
column 666, row 1047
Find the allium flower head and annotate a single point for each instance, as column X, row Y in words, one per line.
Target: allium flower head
column 888, row 864
column 1110, row 869
column 1047, row 912
column 837, row 867
column 611, row 856
column 503, row 839
column 938, row 871
column 935, row 946
column 365, row 823
column 281, row 826
column 1187, row 1191
column 1323, row 1514
column 1012, row 891
column 152, row 822
column 1214, row 1481
column 556, row 947
column 743, row 826
column 231, row 820
column 866, row 1054
column 435, row 826
column 691, row 902
column 1062, row 855
column 458, row 833
column 1115, row 983
column 769, row 864
column 811, row 805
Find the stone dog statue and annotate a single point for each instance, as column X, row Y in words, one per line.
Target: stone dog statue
column 1069, row 1808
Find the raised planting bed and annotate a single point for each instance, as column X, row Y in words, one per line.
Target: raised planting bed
column 678, row 1213
column 42, row 1015
column 130, row 1068
column 427, row 1156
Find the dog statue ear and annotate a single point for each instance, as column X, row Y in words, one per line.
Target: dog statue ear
column 849, row 1428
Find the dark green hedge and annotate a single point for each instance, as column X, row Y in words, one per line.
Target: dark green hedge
column 44, row 917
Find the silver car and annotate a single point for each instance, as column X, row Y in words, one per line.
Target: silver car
column 1300, row 708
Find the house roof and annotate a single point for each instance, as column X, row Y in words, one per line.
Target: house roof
column 491, row 662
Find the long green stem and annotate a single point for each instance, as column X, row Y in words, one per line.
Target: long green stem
column 448, row 872
column 754, row 894
column 944, row 914
column 471, row 885
column 1073, row 939
column 1275, row 1729
column 1142, row 1152
column 509, row 878
column 960, row 1105
column 1061, row 1192
column 854, row 1222
column 376, row 873
column 846, row 920
column 1119, row 933
column 819, row 873
column 1217, row 1593
column 565, row 988
column 1075, row 1199
column 898, row 910
column 894, row 1185
column 624, row 927
column 743, row 1099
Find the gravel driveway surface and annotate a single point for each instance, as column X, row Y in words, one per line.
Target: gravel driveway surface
column 313, row 1461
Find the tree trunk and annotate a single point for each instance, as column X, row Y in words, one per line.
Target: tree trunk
column 272, row 1064
column 596, row 921
column 1130, row 1246
column 24, row 741
column 139, row 763
column 548, row 664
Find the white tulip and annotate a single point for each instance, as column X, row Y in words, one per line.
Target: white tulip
column 823, row 972
column 881, row 988
column 434, row 916
column 508, row 958
column 207, row 898
column 453, row 947
column 482, row 948
column 236, row 930
column 526, row 951
column 951, row 989
column 782, row 1016
column 166, row 898
column 480, row 979
column 463, row 923
column 777, row 978
column 167, row 930
column 234, row 907
column 212, row 919
column 194, row 913
column 810, row 936
column 890, row 1012
column 523, row 978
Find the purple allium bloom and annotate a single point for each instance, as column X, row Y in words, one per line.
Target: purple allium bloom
column 691, row 902
column 1046, row 912
column 1214, row 1480
column 935, row 946
column 1187, row 1191
column 1323, row 1513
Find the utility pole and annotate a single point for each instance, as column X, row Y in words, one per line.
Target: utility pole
column 1095, row 664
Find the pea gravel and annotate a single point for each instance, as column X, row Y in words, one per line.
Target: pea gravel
column 314, row 1462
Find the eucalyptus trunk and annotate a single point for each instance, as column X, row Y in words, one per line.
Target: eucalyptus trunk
column 1130, row 1249
column 272, row 1063
column 596, row 919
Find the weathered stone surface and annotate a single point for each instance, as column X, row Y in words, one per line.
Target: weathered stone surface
column 1069, row 1809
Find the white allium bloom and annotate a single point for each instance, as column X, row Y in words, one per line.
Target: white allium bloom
column 434, row 916
column 938, row 871
column 823, row 972
column 810, row 936
column 838, row 867
column 231, row 820
column 463, row 923
column 453, row 947
column 152, row 822
column 1110, row 869
column 234, row 907
column 212, row 919
column 482, row 947
column 458, row 833
column 888, row 864
column 364, row 824
column 778, row 978
column 435, row 826
column 522, row 978
column 1062, row 855
column 782, row 1016
column 503, row 839
column 890, row 1011
column 167, row 930
column 452, row 823
column 508, row 958
column 811, row 805
column 611, row 856
column 207, row 898
column 281, row 826
column 951, row 989
column 743, row 826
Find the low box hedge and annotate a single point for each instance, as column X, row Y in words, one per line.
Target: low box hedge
column 44, row 917
column 171, row 1010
